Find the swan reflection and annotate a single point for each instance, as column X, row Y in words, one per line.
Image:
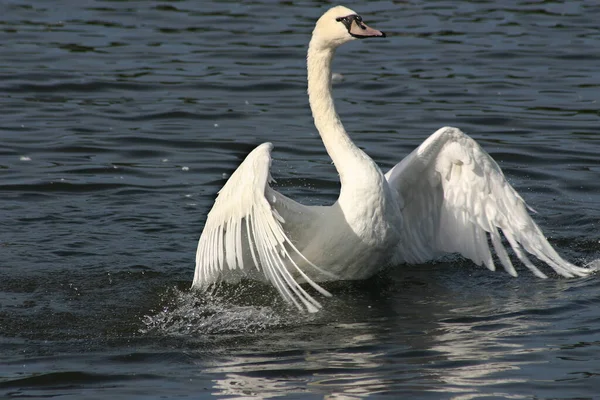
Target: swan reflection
column 446, row 344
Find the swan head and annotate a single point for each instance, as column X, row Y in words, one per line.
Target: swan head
column 340, row 25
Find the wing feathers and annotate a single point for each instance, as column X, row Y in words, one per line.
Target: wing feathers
column 242, row 219
column 455, row 196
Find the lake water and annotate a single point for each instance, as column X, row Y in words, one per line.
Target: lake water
column 120, row 121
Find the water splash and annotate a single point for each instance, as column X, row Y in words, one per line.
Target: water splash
column 224, row 310
column 594, row 265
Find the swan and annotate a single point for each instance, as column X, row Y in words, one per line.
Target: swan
column 447, row 196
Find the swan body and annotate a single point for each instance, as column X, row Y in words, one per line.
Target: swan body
column 447, row 196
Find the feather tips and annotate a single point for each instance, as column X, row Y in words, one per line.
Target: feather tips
column 464, row 201
column 243, row 218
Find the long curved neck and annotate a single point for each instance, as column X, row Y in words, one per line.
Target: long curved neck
column 346, row 156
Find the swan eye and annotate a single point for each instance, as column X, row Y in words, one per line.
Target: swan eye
column 347, row 20
column 359, row 21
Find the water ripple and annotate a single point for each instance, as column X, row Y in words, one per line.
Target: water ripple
column 120, row 121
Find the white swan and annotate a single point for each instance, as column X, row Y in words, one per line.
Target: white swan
column 447, row 196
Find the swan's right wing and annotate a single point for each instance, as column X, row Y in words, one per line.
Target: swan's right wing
column 244, row 227
column 454, row 197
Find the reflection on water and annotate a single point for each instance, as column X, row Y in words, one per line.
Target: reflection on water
column 456, row 341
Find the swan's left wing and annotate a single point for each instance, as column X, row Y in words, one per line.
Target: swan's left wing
column 454, row 196
column 244, row 234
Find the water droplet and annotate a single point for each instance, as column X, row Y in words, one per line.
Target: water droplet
column 336, row 77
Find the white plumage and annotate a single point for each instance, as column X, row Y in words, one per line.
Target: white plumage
column 447, row 196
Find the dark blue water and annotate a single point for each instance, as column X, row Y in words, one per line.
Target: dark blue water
column 120, row 121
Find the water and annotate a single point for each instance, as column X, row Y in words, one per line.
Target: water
column 120, row 120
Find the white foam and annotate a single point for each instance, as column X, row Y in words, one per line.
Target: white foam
column 197, row 312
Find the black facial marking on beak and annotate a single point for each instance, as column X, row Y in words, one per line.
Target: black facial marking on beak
column 347, row 21
column 357, row 28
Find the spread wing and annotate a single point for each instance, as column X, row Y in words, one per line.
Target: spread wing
column 244, row 234
column 454, row 197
